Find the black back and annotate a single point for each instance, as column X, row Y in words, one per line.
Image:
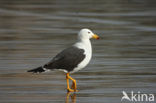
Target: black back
column 68, row 59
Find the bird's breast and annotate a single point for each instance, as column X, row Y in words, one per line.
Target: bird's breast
column 88, row 54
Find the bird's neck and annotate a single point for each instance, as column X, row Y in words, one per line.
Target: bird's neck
column 85, row 43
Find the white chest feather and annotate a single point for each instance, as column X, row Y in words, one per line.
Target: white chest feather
column 86, row 45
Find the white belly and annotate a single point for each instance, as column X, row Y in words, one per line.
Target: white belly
column 82, row 64
column 88, row 55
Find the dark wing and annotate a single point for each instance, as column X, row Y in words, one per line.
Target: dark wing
column 68, row 59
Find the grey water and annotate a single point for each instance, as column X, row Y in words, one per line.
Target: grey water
column 34, row 31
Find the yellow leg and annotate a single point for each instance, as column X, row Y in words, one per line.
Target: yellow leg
column 68, row 87
column 73, row 85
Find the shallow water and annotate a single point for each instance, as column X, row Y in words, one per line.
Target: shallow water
column 33, row 31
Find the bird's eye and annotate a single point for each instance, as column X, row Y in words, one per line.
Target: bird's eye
column 88, row 32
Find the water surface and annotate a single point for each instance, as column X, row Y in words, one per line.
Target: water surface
column 32, row 32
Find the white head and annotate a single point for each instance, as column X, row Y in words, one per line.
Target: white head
column 87, row 34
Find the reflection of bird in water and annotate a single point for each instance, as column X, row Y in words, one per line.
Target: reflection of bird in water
column 71, row 59
column 73, row 97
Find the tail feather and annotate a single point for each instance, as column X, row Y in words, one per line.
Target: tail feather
column 37, row 70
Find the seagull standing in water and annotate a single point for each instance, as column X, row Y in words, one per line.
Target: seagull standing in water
column 71, row 59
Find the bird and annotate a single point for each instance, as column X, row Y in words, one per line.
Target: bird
column 71, row 59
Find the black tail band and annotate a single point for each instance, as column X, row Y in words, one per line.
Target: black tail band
column 37, row 70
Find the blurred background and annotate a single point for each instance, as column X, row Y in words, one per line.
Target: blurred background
column 33, row 31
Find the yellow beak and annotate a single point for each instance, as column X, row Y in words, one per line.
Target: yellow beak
column 95, row 36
